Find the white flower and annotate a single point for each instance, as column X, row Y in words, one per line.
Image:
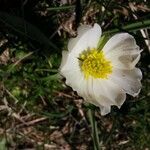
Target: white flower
column 102, row 76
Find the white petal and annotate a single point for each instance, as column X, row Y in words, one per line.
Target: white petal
column 105, row 110
column 122, row 41
column 123, row 53
column 76, row 80
column 64, row 59
column 85, row 90
column 124, row 60
column 103, row 93
column 108, row 93
column 88, row 37
column 69, row 64
column 83, row 29
column 82, row 86
column 89, row 94
column 129, row 80
column 100, row 94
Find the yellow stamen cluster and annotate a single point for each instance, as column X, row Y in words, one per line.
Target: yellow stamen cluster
column 93, row 63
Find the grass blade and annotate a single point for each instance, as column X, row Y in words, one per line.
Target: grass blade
column 23, row 28
column 61, row 8
column 131, row 27
column 93, row 123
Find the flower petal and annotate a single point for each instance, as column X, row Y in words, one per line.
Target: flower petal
column 108, row 93
column 83, row 29
column 129, row 80
column 105, row 110
column 102, row 93
column 64, row 59
column 84, row 88
column 125, row 59
column 122, row 51
column 69, row 63
column 76, row 80
column 122, row 41
column 88, row 37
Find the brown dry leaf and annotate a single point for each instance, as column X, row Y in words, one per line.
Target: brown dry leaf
column 3, row 41
column 33, row 133
column 58, row 137
column 68, row 25
column 82, row 147
column 63, row 2
column 122, row 10
column 136, row 7
column 4, row 57
column 90, row 15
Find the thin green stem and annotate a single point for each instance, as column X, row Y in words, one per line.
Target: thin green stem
column 94, row 135
column 23, row 58
column 131, row 27
column 11, row 95
column 61, row 8
column 56, row 76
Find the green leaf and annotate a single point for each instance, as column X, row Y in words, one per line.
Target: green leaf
column 24, row 28
column 131, row 27
column 53, row 77
column 3, row 144
column 102, row 41
column 58, row 114
column 60, row 8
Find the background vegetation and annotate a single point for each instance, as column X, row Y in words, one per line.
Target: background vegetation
column 37, row 110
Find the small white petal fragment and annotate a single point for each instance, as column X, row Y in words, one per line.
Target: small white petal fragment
column 102, row 77
column 64, row 59
column 105, row 110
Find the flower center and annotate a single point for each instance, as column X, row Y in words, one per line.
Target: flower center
column 93, row 63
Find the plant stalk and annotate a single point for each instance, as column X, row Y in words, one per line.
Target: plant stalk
column 131, row 27
column 95, row 136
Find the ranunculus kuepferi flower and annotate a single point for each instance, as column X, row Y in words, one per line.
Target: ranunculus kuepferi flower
column 102, row 76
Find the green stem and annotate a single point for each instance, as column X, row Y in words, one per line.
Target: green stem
column 56, row 76
column 61, row 8
column 131, row 27
column 93, row 123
